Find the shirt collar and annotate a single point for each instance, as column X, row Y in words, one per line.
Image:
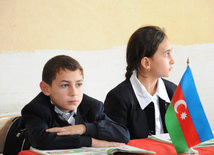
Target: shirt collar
column 59, row 111
column 144, row 98
column 161, row 91
column 68, row 116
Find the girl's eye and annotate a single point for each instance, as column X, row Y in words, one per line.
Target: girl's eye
column 167, row 54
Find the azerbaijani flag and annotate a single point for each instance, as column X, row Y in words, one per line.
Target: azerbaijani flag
column 185, row 119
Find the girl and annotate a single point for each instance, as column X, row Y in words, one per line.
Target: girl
column 140, row 102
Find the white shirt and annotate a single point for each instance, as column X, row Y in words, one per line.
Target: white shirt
column 144, row 98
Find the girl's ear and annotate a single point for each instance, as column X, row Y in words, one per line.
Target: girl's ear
column 145, row 63
column 45, row 88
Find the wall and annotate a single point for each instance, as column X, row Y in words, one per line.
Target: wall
column 29, row 25
column 96, row 32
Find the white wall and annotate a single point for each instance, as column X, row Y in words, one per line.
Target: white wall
column 21, row 73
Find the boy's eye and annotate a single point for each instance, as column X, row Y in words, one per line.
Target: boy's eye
column 64, row 85
column 79, row 84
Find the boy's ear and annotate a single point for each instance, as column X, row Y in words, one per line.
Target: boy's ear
column 145, row 63
column 45, row 88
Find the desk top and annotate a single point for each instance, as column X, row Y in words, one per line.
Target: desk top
column 163, row 148
column 148, row 144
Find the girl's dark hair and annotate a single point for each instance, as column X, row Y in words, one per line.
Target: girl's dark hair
column 55, row 64
column 143, row 43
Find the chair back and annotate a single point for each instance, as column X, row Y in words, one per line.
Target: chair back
column 5, row 121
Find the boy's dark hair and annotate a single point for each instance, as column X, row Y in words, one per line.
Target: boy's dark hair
column 57, row 63
column 143, row 43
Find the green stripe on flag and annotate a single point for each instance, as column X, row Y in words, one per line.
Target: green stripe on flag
column 175, row 131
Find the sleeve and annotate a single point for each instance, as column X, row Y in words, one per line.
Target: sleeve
column 104, row 128
column 117, row 108
column 38, row 120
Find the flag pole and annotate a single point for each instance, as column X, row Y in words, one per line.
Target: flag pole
column 188, row 61
column 191, row 151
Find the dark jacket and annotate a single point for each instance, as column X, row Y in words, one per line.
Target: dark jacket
column 39, row 115
column 122, row 106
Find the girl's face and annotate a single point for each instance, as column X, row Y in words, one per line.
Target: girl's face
column 66, row 91
column 162, row 61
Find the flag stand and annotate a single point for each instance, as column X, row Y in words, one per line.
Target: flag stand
column 191, row 151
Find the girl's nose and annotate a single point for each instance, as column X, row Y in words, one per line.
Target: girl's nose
column 172, row 61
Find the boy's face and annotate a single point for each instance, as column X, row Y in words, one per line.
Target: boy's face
column 66, row 91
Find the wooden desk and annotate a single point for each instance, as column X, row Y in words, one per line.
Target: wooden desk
column 148, row 144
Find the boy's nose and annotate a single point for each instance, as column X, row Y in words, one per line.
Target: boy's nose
column 72, row 91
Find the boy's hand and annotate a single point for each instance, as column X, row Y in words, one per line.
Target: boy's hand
column 69, row 130
column 103, row 143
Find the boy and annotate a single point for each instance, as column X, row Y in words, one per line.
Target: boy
column 62, row 117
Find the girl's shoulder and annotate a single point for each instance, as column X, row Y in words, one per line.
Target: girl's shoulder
column 122, row 90
column 169, row 84
column 123, row 86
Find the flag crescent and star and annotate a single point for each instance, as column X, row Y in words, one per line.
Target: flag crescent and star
column 177, row 104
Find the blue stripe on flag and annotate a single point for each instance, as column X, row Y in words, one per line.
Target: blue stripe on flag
column 194, row 105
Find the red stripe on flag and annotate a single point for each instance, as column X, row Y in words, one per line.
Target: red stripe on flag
column 184, row 118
